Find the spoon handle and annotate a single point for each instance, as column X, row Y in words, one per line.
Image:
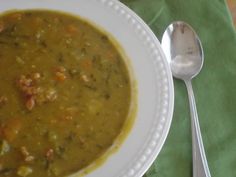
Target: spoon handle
column 200, row 166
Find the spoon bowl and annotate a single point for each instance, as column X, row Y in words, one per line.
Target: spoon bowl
column 184, row 53
column 183, row 50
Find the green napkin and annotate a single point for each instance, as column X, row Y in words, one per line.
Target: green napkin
column 214, row 87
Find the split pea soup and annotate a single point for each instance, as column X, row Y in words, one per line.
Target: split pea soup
column 65, row 94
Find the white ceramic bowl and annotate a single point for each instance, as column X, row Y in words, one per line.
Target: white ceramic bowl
column 149, row 67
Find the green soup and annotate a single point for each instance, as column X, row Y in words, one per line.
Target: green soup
column 65, row 94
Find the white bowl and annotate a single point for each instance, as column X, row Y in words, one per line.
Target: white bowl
column 150, row 69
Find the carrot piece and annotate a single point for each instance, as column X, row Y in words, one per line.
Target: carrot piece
column 72, row 29
column 60, row 76
column 12, row 129
column 60, row 69
column 30, row 103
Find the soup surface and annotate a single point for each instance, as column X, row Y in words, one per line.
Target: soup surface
column 65, row 94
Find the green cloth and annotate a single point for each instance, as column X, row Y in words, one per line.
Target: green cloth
column 214, row 87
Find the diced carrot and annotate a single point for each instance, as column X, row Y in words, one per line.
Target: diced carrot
column 60, row 76
column 12, row 129
column 60, row 69
column 30, row 103
column 72, row 29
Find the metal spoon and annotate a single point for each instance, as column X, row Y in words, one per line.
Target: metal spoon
column 184, row 53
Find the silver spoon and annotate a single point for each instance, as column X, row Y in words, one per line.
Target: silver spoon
column 184, row 53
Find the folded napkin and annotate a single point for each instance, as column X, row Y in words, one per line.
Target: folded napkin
column 214, row 87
